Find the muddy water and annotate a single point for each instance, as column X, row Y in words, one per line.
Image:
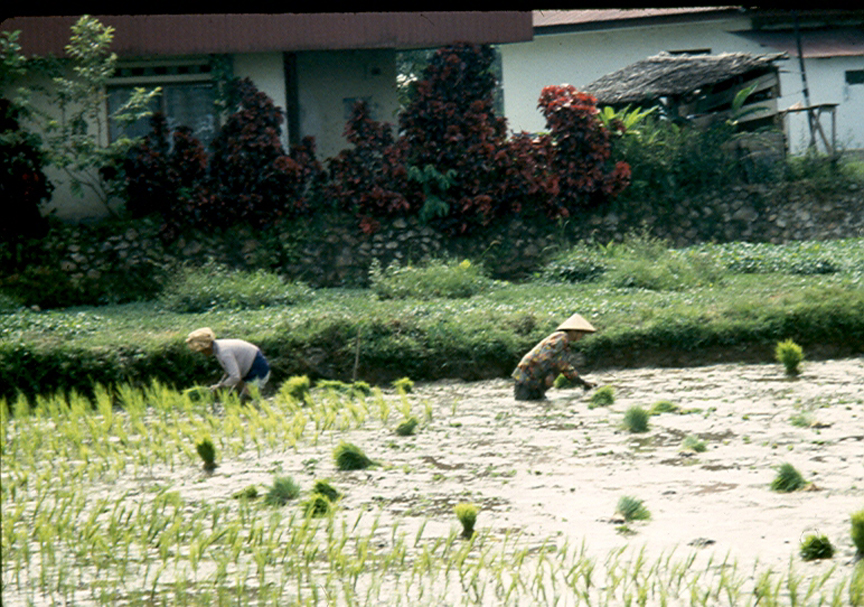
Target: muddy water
column 557, row 468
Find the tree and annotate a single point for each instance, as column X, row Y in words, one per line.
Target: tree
column 77, row 139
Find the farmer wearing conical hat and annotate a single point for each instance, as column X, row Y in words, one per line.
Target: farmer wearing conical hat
column 242, row 362
column 537, row 370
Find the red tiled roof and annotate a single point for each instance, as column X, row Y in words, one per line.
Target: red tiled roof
column 225, row 33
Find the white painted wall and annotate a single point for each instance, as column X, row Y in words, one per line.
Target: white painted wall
column 327, row 78
column 580, row 58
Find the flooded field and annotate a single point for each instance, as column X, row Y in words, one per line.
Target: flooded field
column 114, row 508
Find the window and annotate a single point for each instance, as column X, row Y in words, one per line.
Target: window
column 187, row 97
column 855, row 77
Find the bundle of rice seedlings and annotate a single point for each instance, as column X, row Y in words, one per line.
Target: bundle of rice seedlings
column 816, row 547
column 467, row 515
column 351, row 457
column 788, row 479
column 284, row 489
column 632, row 509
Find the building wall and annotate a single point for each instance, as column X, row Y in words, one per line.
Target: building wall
column 329, row 80
column 582, row 57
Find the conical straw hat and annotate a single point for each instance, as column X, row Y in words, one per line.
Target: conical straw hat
column 576, row 323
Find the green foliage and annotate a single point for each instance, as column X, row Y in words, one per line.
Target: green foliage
column 323, row 487
column 856, row 584
column 563, row 383
column 857, row 531
column 663, row 406
column 283, row 490
column 632, row 509
column 215, row 286
column 636, row 419
column 357, row 389
column 788, row 479
column 296, row 388
column 350, row 457
column 790, row 354
column 467, row 515
column 815, row 547
column 693, row 443
column 75, row 141
column 603, row 396
column 434, row 279
column 317, row 506
column 434, row 185
column 207, row 453
column 407, row 426
column 403, row 384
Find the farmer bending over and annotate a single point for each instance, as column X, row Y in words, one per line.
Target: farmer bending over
column 243, row 363
column 537, row 370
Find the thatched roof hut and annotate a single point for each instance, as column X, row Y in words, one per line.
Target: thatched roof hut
column 691, row 85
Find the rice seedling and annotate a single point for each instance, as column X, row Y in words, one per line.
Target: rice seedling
column 350, row 457
column 295, row 389
column 326, row 489
column 403, row 384
column 788, row 479
column 858, row 532
column 632, row 509
column 693, row 443
column 318, row 505
column 207, row 453
column 790, row 355
column 407, row 426
column 283, row 490
column 816, row 547
column 663, row 406
column 636, row 419
column 603, row 396
column 467, row 515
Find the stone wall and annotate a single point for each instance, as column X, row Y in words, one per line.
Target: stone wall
column 332, row 251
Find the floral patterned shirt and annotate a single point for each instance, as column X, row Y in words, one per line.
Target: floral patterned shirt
column 539, row 368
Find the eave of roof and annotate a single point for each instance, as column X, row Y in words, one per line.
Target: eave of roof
column 559, row 21
column 169, row 34
column 815, row 43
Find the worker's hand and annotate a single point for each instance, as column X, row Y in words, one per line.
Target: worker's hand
column 214, row 387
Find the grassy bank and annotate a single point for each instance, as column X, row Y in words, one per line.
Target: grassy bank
column 651, row 305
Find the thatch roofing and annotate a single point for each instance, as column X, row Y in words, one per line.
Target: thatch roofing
column 666, row 75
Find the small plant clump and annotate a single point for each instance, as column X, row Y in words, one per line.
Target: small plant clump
column 602, row 397
column 284, row 490
column 207, row 452
column 249, row 493
column 663, row 406
column 858, row 532
column 693, row 443
column 350, row 457
column 467, row 515
column 816, row 547
column 636, row 419
column 324, row 488
column 790, row 354
column 632, row 509
column 403, row 384
column 317, row 506
column 788, row 479
column 357, row 389
column 296, row 388
column 407, row 427
column 563, row 383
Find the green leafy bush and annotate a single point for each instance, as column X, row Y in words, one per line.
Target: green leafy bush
column 214, row 286
column 433, row 279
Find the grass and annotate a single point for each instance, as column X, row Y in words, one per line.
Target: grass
column 636, row 420
column 754, row 305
